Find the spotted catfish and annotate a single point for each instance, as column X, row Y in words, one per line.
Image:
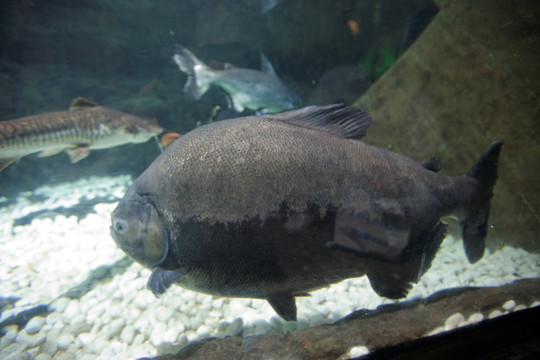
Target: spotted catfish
column 86, row 126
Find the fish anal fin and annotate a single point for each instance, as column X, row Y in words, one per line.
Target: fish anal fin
column 370, row 234
column 338, row 120
column 4, row 163
column 50, row 152
column 394, row 280
column 390, row 284
column 78, row 153
column 81, row 103
column 284, row 305
column 161, row 279
column 237, row 103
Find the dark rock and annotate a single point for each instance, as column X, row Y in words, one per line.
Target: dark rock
column 471, row 78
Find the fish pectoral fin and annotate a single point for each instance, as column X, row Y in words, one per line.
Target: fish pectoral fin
column 393, row 280
column 78, row 153
column 4, row 163
column 160, row 280
column 50, row 152
column 284, row 305
column 383, row 237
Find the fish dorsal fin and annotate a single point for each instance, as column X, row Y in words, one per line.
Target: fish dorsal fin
column 338, row 119
column 81, row 103
column 432, row 164
column 266, row 65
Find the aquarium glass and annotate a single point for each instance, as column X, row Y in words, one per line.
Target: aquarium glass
column 412, row 214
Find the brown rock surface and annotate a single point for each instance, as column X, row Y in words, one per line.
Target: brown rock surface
column 471, row 78
column 386, row 326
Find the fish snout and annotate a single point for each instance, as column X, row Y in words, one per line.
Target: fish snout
column 138, row 231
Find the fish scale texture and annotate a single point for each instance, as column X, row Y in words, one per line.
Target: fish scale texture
column 247, row 168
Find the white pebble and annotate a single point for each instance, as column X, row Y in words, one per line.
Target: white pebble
column 235, row 327
column 494, row 314
column 453, row 321
column 115, row 310
column 127, row 335
column 43, row 356
column 65, row 355
column 49, row 347
column 509, row 305
column 157, row 334
column 357, row 351
column 111, row 351
column 11, row 333
column 519, row 307
column 535, row 303
column 139, row 339
column 34, row 325
column 163, row 314
column 96, row 346
column 170, row 335
column 86, row 338
column 65, row 341
column 436, row 331
column 114, row 328
column 203, row 331
column 476, row 318
column 71, row 311
column 13, row 348
column 30, row 341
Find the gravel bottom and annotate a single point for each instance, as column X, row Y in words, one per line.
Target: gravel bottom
column 102, row 310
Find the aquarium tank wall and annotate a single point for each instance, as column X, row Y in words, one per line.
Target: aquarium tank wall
column 266, row 179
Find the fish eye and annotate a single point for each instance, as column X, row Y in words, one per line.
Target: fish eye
column 120, row 226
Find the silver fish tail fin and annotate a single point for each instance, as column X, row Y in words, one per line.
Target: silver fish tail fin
column 474, row 224
column 199, row 74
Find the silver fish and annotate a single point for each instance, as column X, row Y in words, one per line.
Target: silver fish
column 260, row 91
column 86, row 126
column 276, row 206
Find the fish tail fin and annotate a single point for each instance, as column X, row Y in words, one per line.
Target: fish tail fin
column 199, row 74
column 474, row 224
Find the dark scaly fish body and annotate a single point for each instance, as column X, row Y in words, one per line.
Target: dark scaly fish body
column 84, row 127
column 276, row 206
column 260, row 91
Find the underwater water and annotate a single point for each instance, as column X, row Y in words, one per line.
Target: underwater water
column 68, row 291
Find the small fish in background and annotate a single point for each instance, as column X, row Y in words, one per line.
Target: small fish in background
column 260, row 91
column 85, row 127
column 267, row 5
column 168, row 138
column 275, row 206
column 343, row 84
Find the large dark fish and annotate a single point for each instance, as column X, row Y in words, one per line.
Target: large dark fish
column 260, row 91
column 86, row 126
column 276, row 206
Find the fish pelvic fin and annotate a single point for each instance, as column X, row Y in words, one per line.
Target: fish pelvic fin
column 474, row 223
column 284, row 305
column 4, row 163
column 199, row 74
